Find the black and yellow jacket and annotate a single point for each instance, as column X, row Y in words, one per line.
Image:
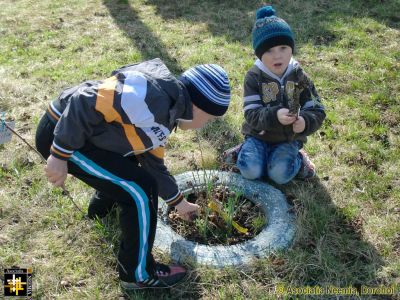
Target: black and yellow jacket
column 265, row 93
column 131, row 113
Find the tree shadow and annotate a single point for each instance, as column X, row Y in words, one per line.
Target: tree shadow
column 150, row 46
column 185, row 290
column 311, row 21
column 223, row 18
column 308, row 19
column 221, row 135
column 328, row 246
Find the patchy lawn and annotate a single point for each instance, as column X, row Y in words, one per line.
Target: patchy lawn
column 347, row 219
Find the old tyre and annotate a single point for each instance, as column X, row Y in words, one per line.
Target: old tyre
column 276, row 235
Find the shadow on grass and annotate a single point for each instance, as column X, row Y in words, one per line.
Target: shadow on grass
column 308, row 19
column 231, row 19
column 221, row 135
column 128, row 20
column 329, row 248
column 311, row 21
column 185, row 290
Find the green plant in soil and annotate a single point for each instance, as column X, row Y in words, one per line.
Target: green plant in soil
column 222, row 212
column 212, row 227
column 258, row 222
column 202, row 223
column 230, row 210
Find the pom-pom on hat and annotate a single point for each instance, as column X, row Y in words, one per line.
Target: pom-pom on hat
column 208, row 86
column 270, row 31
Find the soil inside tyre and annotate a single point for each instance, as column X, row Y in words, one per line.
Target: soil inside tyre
column 229, row 220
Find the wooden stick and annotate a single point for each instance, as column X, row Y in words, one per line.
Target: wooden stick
column 13, row 131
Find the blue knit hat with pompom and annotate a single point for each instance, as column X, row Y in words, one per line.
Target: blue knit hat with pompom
column 270, row 31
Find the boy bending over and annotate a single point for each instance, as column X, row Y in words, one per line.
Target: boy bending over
column 111, row 135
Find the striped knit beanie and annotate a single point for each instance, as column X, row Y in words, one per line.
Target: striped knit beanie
column 270, row 31
column 208, row 86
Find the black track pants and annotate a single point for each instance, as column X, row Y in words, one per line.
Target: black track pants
column 116, row 179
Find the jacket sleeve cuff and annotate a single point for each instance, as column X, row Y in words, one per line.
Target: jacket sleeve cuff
column 307, row 130
column 60, row 152
column 175, row 200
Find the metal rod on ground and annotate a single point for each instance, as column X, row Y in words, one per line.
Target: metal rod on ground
column 65, row 191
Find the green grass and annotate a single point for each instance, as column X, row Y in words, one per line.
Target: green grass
column 347, row 220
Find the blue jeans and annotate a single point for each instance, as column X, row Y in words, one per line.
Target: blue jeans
column 279, row 162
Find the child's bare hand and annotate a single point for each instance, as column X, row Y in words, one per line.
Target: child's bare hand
column 284, row 117
column 187, row 210
column 56, row 170
column 299, row 125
